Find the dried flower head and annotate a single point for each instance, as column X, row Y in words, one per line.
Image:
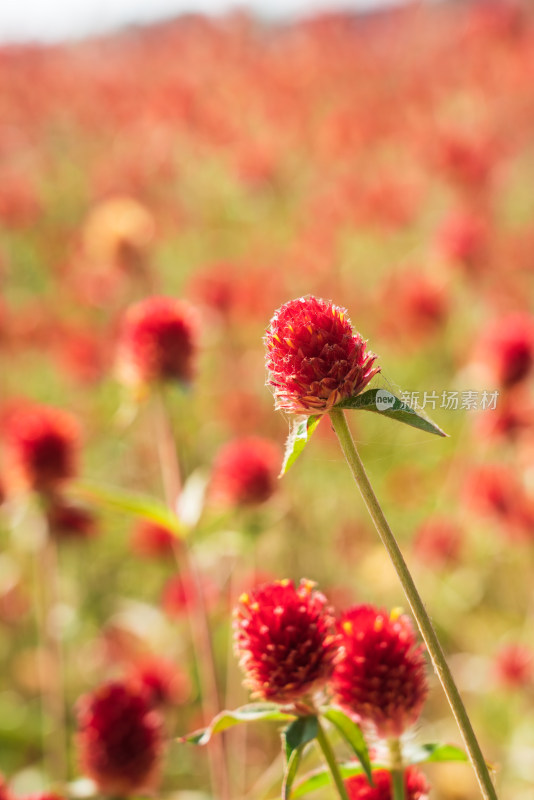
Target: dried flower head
column 285, row 640
column 157, row 342
column 380, row 672
column 416, row 786
column 119, row 232
column 119, row 740
column 245, row 472
column 42, row 447
column 315, row 359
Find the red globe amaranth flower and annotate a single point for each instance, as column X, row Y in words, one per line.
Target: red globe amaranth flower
column 69, row 521
column 314, row 357
column 438, row 542
column 284, row 637
column 380, row 672
column 507, row 347
column 416, row 786
column 151, row 540
column 42, row 447
column 158, row 342
column 494, row 491
column 245, row 472
column 5, row 791
column 42, row 796
column 160, row 681
column 514, row 666
column 179, row 592
column 119, row 740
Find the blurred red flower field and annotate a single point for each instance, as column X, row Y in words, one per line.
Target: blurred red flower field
column 163, row 191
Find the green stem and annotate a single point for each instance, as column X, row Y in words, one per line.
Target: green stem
column 419, row 611
column 330, row 759
column 396, row 768
column 195, row 600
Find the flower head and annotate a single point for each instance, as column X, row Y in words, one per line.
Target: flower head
column 119, row 740
column 245, row 472
column 285, row 640
column 507, row 346
column 380, row 673
column 161, row 681
column 514, row 666
column 415, row 785
column 42, row 447
column 157, row 342
column 68, row 520
column 315, row 358
column 152, row 540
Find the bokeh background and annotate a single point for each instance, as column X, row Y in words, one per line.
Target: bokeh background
column 384, row 160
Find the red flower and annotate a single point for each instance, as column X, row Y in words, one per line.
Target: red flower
column 152, row 540
column 415, row 785
column 314, row 357
column 119, row 740
column 380, row 673
column 285, row 640
column 438, row 542
column 493, row 490
column 161, row 681
column 43, row 796
column 42, row 447
column 245, row 471
column 179, row 592
column 69, row 521
column 514, row 666
column 157, row 342
column 5, row 791
column 508, row 348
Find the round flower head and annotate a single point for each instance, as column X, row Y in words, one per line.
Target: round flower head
column 157, row 342
column 415, row 786
column 315, row 359
column 285, row 641
column 5, row 791
column 380, row 672
column 119, row 740
column 245, row 472
column 42, row 447
column 67, row 520
column 507, row 346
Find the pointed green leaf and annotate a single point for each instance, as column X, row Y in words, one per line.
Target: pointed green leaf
column 301, row 429
column 352, row 733
column 130, row 503
column 227, row 719
column 300, row 732
column 383, row 402
column 291, row 772
column 428, row 753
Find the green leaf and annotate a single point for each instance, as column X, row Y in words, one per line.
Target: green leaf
column 322, row 777
column 227, row 719
column 297, row 734
column 301, row 429
column 383, row 402
column 429, row 753
column 130, row 503
column 300, row 732
column 291, row 772
column 352, row 733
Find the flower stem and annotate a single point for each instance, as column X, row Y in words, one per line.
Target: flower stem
column 419, row 611
column 396, row 768
column 195, row 601
column 330, row 759
column 51, row 659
